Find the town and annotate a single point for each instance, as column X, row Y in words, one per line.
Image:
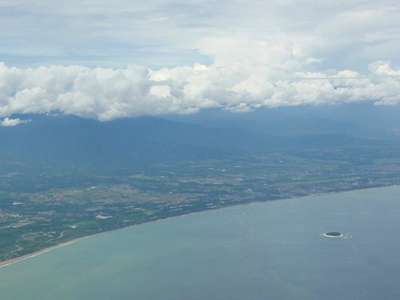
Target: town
column 39, row 217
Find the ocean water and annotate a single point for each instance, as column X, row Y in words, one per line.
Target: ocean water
column 271, row 250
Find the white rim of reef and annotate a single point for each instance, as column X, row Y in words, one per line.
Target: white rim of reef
column 334, row 237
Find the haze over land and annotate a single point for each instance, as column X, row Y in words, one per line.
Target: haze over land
column 118, row 113
column 64, row 177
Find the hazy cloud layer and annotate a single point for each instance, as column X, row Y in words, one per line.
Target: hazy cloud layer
column 106, row 94
column 343, row 34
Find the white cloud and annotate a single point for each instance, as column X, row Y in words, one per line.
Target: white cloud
column 7, row 122
column 235, row 55
column 106, row 94
column 170, row 33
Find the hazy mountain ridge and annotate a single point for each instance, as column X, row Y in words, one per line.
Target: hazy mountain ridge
column 356, row 120
column 76, row 143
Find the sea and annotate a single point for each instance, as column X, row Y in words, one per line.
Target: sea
column 269, row 250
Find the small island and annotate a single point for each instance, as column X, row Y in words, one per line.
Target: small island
column 333, row 234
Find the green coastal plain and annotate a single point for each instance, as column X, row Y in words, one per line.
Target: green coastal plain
column 64, row 177
column 42, row 210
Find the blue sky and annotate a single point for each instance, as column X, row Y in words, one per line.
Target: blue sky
column 236, row 55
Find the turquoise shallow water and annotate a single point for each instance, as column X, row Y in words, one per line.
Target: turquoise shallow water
column 271, row 250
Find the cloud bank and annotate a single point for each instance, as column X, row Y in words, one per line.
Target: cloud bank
column 235, row 55
column 168, row 33
column 106, row 94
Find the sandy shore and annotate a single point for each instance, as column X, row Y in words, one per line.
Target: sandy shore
column 33, row 254
column 17, row 259
column 333, row 236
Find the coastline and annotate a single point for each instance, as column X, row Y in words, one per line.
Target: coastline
column 48, row 249
column 44, row 250
column 33, row 254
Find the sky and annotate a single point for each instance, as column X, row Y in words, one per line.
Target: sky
column 108, row 59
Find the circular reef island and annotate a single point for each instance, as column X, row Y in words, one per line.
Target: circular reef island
column 333, row 234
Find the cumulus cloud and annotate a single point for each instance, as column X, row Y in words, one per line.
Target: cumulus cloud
column 7, row 122
column 253, row 54
column 107, row 94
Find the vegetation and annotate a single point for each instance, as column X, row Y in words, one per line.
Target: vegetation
column 333, row 234
column 63, row 177
column 49, row 209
